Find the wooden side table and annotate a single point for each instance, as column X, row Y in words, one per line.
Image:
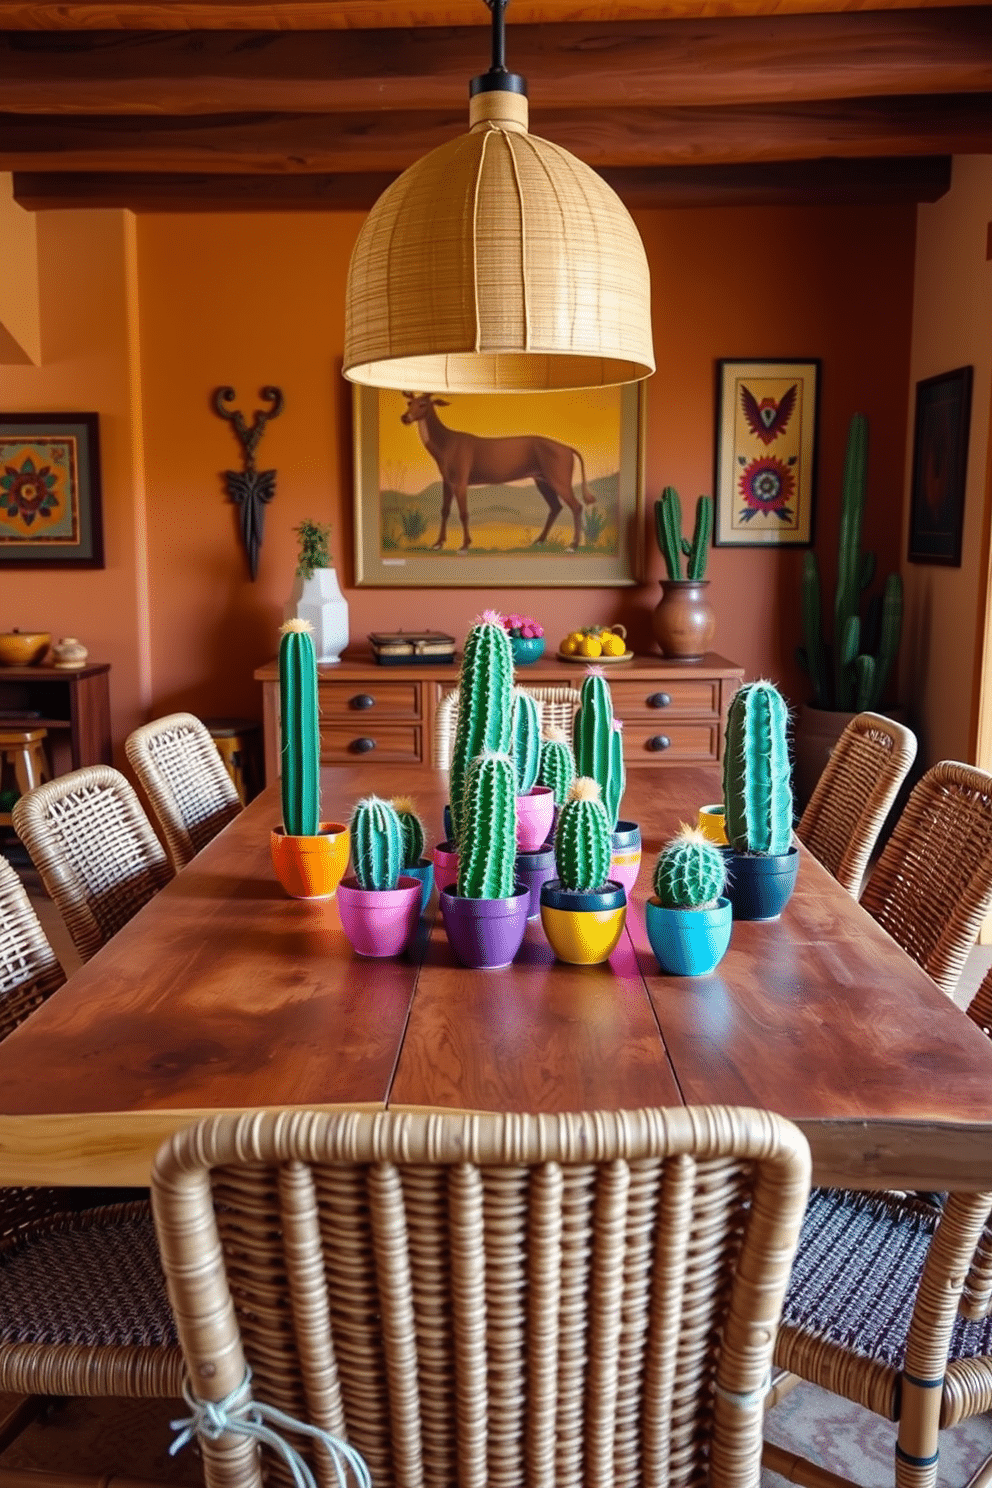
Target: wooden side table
column 74, row 707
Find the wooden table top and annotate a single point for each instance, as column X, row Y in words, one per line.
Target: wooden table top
column 224, row 993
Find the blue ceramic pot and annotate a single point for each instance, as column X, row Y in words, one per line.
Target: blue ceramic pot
column 688, row 942
column 526, row 649
column 760, row 885
column 424, row 870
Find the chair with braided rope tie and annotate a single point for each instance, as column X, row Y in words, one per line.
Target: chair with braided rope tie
column 855, row 794
column 556, row 706
column 564, row 1299
column 180, row 769
column 95, row 850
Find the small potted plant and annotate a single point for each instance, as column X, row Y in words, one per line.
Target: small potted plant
column 379, row 906
column 414, row 864
column 486, row 917
column 308, row 855
column 597, row 739
column 683, row 621
column 316, row 594
column 757, row 800
column 526, row 638
column 689, row 917
column 583, row 911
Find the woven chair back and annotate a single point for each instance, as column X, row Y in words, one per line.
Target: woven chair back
column 95, row 850
column 855, row 794
column 29, row 968
column 181, row 772
column 555, row 706
column 584, row 1301
column 932, row 884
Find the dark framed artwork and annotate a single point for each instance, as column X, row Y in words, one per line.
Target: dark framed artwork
column 50, row 513
column 767, row 412
column 940, row 467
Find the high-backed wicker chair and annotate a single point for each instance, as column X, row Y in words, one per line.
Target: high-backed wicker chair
column 854, row 795
column 572, row 1300
column 187, row 784
column 95, row 850
column 555, row 705
column 932, row 884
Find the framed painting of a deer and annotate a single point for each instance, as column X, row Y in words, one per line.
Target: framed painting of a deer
column 491, row 489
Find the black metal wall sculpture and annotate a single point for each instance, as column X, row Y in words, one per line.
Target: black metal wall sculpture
column 251, row 489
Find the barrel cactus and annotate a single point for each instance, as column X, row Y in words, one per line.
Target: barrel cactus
column 412, row 829
column 757, row 788
column 582, row 839
column 598, row 742
column 671, row 543
column 485, row 691
column 557, row 764
column 487, row 847
column 300, row 778
column 376, row 843
column 526, row 729
column 690, row 872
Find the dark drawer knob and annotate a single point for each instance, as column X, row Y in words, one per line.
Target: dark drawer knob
column 659, row 741
column 362, row 700
column 660, row 700
column 361, row 746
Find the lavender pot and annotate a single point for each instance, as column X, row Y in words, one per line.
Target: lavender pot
column 486, row 934
column 379, row 922
column 534, row 869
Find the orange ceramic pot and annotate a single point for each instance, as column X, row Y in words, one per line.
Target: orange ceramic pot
column 311, row 867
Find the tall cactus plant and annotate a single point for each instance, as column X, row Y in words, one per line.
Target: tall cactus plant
column 857, row 678
column 300, row 730
column 412, row 829
column 690, row 871
column 671, row 543
column 757, row 788
column 526, row 730
column 488, row 844
column 582, row 839
column 597, row 740
column 376, row 843
column 485, row 690
column 557, row 767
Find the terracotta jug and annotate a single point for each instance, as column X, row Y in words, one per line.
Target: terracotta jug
column 683, row 620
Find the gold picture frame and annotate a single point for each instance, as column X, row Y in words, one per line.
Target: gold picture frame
column 520, row 528
column 767, row 412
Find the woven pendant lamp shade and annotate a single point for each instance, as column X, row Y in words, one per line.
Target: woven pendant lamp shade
column 498, row 263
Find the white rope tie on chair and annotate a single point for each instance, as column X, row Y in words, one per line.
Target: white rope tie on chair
column 745, row 1399
column 240, row 1414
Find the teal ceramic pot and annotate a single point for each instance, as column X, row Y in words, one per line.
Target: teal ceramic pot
column 424, row 870
column 688, row 942
column 759, row 886
column 526, row 649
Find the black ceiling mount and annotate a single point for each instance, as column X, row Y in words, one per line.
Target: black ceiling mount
column 497, row 79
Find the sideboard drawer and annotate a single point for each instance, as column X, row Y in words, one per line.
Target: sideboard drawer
column 648, row 699
column 349, row 741
column 355, row 700
column 661, row 743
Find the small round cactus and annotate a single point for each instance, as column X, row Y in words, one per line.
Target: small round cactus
column 690, row 872
column 376, row 843
column 583, row 846
column 412, row 829
column 557, row 767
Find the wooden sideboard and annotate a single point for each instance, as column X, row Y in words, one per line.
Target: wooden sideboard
column 73, row 705
column 672, row 712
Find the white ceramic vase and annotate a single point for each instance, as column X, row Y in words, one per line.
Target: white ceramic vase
column 319, row 600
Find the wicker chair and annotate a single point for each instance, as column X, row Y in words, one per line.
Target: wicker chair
column 181, row 772
column 95, row 849
column 577, row 1300
column 555, row 705
column 932, row 884
column 854, row 795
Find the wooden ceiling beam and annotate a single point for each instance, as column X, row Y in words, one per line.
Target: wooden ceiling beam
column 806, row 183
column 683, row 62
column 290, row 144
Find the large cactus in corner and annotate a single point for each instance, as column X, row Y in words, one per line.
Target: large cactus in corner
column 557, row 767
column 671, row 543
column 376, row 843
column 597, row 739
column 757, row 789
column 488, row 845
column 858, row 678
column 526, row 730
column 690, row 871
column 300, row 731
column 485, row 691
column 582, row 839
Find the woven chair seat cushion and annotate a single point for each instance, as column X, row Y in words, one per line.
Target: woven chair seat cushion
column 856, row 1275
column 97, row 1283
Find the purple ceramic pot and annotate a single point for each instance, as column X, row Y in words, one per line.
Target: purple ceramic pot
column 535, row 816
column 379, row 922
column 445, row 865
column 534, row 869
column 486, row 933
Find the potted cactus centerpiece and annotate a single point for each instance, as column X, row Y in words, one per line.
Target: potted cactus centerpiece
column 583, row 911
column 378, row 904
column 414, row 864
column 535, row 803
column 485, row 917
column 683, row 621
column 689, row 917
column 757, row 800
column 308, row 855
column 597, row 738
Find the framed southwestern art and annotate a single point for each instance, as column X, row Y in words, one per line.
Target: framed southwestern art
column 940, row 467
column 50, row 490
column 766, row 453
column 484, row 489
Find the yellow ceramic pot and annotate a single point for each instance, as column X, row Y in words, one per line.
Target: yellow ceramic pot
column 583, row 929
column 311, row 867
column 712, row 825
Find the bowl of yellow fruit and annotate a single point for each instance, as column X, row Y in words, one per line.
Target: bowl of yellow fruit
column 606, row 643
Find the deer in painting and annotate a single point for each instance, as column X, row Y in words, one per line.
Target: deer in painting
column 465, row 460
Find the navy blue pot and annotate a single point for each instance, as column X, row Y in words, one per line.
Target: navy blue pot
column 760, row 885
column 534, row 869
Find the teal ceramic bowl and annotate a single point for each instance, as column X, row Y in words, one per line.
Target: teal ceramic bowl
column 526, row 649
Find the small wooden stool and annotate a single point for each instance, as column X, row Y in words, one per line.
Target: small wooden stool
column 22, row 755
column 237, row 745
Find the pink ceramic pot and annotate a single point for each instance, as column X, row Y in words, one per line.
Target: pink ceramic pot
column 445, row 866
column 379, row 922
column 535, row 815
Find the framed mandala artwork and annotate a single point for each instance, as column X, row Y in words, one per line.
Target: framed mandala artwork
column 50, row 490
column 765, row 482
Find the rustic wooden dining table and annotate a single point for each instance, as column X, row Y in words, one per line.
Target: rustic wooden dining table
column 224, row 993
